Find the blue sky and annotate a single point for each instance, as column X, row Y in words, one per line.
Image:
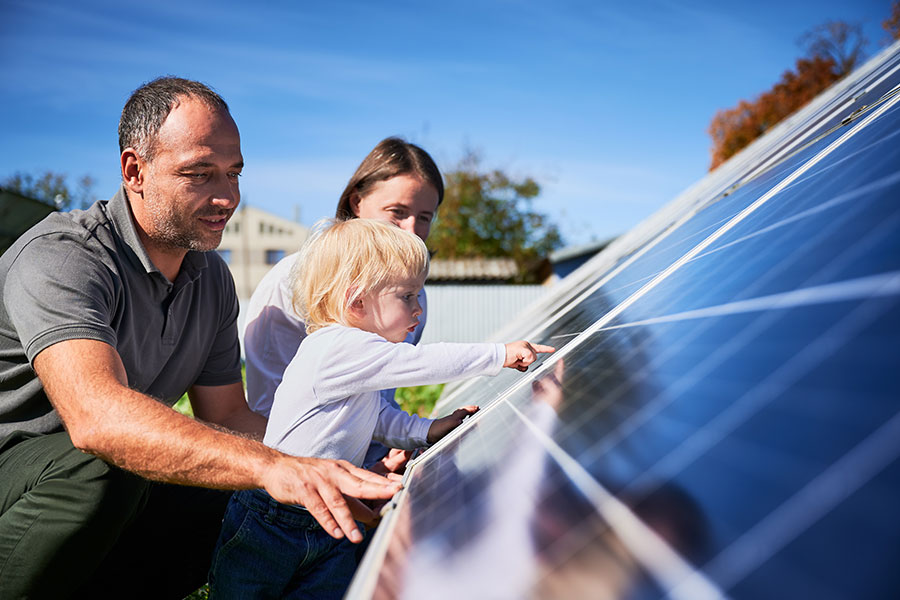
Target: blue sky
column 606, row 105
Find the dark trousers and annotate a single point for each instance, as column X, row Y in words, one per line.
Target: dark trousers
column 72, row 526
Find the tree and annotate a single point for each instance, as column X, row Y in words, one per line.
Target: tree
column 489, row 214
column 834, row 48
column 52, row 188
column 892, row 23
column 733, row 129
column 842, row 42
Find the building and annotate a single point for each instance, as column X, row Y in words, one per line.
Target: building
column 254, row 240
column 470, row 298
column 565, row 260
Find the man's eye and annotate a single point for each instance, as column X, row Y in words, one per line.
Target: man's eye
column 234, row 175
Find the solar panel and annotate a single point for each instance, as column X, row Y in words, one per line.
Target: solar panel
column 722, row 417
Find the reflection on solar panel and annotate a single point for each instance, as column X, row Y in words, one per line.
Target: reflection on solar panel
column 722, row 417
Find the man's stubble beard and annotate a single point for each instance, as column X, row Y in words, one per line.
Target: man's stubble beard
column 175, row 231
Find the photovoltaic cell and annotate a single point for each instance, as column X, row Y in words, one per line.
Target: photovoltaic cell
column 722, row 416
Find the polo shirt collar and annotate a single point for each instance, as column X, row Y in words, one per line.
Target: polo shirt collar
column 119, row 211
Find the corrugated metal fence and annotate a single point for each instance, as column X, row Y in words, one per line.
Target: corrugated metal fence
column 471, row 313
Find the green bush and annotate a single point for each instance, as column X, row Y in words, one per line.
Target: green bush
column 419, row 400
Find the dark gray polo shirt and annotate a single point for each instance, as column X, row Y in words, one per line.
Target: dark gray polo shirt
column 86, row 275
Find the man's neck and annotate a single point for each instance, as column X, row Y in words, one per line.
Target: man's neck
column 168, row 261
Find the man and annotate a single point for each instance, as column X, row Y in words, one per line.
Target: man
column 108, row 316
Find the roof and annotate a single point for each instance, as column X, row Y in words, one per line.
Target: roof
column 469, row 269
column 570, row 252
column 17, row 214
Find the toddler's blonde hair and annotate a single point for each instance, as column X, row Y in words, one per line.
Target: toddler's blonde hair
column 344, row 260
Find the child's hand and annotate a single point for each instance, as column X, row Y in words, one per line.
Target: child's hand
column 441, row 427
column 521, row 354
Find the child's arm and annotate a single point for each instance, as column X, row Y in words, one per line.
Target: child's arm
column 441, row 427
column 521, row 354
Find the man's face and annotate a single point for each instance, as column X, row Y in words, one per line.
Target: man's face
column 191, row 187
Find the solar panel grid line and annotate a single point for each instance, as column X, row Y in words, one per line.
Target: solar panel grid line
column 483, row 413
column 363, row 586
column 807, row 506
column 885, row 284
column 815, row 113
column 748, row 405
column 886, row 76
column 877, row 285
column 834, row 202
column 659, row 559
column 882, row 65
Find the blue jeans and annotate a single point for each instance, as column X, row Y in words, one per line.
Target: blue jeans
column 271, row 550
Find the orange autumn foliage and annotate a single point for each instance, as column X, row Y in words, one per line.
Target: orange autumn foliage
column 734, row 128
column 892, row 23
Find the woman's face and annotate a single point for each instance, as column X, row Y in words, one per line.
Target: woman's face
column 404, row 200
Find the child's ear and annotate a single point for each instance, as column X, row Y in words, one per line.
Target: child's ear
column 355, row 304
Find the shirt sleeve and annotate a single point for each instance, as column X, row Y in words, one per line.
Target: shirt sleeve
column 398, row 429
column 56, row 291
column 363, row 362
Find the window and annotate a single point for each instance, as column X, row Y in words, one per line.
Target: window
column 273, row 256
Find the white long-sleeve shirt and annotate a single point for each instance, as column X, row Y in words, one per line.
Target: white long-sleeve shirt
column 328, row 404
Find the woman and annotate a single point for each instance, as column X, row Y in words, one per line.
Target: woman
column 397, row 182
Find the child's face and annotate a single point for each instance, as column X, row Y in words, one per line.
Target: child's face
column 393, row 311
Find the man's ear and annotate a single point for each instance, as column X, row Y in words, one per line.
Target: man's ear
column 133, row 170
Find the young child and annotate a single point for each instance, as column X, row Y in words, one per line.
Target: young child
column 356, row 286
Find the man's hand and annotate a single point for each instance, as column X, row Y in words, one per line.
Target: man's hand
column 521, row 354
column 441, row 427
column 320, row 484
